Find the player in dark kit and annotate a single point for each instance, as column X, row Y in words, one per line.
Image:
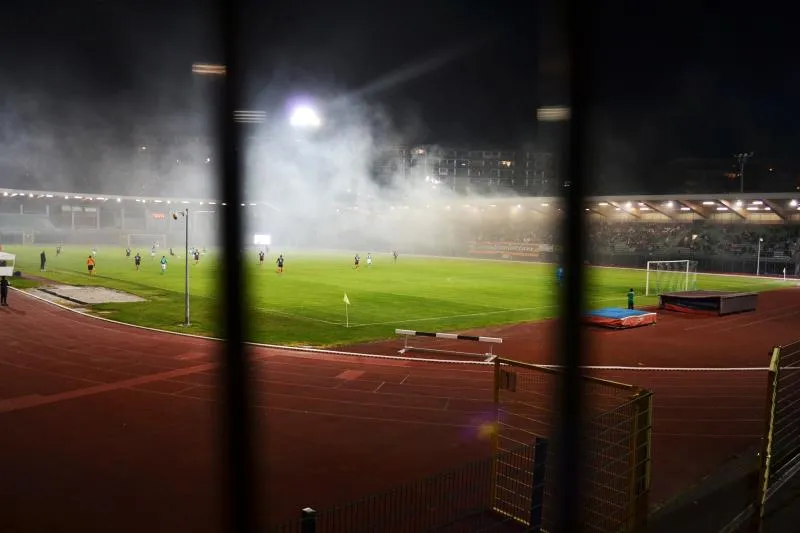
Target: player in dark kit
column 3, row 291
column 137, row 260
column 261, row 257
column 631, row 296
column 394, row 255
column 196, row 257
column 127, row 252
column 356, row 260
column 560, row 276
column 280, row 264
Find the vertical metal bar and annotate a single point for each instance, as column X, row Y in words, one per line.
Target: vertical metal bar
column 495, row 432
column 537, row 486
column 239, row 512
column 308, row 520
column 569, row 504
column 639, row 458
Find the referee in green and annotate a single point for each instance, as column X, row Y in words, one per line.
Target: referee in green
column 631, row 296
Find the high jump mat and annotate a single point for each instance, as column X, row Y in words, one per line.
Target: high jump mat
column 619, row 318
column 709, row 302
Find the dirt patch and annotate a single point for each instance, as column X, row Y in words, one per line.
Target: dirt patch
column 86, row 295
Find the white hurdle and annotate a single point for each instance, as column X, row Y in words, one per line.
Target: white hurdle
column 409, row 333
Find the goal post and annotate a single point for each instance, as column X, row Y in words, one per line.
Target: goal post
column 670, row 276
column 145, row 240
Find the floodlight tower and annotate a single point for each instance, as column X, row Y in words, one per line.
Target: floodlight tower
column 742, row 159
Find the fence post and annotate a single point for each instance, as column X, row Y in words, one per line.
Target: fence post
column 537, row 485
column 769, row 429
column 640, row 457
column 308, row 520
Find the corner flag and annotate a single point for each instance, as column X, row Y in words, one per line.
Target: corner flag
column 346, row 299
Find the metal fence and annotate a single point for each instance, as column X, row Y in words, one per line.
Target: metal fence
column 514, row 489
column 454, row 501
column 780, row 457
column 615, row 466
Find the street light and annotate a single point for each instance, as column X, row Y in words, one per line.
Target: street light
column 758, row 256
column 185, row 215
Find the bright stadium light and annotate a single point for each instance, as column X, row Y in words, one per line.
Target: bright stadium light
column 793, row 203
column 304, row 117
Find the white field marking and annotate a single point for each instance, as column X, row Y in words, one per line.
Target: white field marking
column 466, row 315
column 299, row 317
column 323, row 351
column 719, row 274
column 298, row 349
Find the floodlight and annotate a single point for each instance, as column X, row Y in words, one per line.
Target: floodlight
column 304, row 117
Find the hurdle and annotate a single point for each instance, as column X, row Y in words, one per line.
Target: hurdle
column 409, row 333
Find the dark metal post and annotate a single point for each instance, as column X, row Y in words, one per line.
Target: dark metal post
column 186, row 321
column 308, row 520
column 239, row 487
column 537, row 485
column 577, row 29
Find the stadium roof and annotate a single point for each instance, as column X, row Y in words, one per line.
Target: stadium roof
column 783, row 205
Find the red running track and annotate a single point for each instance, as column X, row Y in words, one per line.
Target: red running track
column 107, row 427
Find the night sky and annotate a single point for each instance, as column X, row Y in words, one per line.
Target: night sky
column 669, row 80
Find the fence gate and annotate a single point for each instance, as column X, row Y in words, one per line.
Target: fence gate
column 617, row 448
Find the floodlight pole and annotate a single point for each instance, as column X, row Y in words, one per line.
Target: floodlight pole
column 186, row 321
column 758, row 256
column 742, row 159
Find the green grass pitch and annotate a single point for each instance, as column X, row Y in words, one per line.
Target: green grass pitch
column 305, row 305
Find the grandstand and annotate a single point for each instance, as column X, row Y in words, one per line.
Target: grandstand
column 721, row 233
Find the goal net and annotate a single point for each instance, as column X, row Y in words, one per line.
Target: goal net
column 670, row 276
column 145, row 240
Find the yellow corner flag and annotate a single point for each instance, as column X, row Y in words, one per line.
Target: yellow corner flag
column 346, row 299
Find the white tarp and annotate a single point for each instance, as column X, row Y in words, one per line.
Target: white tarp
column 7, row 269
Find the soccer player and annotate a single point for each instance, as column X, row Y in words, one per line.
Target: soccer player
column 58, row 250
column 3, row 291
column 369, row 259
column 356, row 261
column 153, row 252
column 127, row 252
column 94, row 251
column 137, row 260
column 560, row 276
column 394, row 255
column 196, row 257
column 171, row 253
column 261, row 257
column 90, row 265
column 42, row 261
column 280, row 264
column 163, row 263
column 631, row 296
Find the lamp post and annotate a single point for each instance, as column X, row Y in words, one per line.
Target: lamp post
column 758, row 256
column 185, row 215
